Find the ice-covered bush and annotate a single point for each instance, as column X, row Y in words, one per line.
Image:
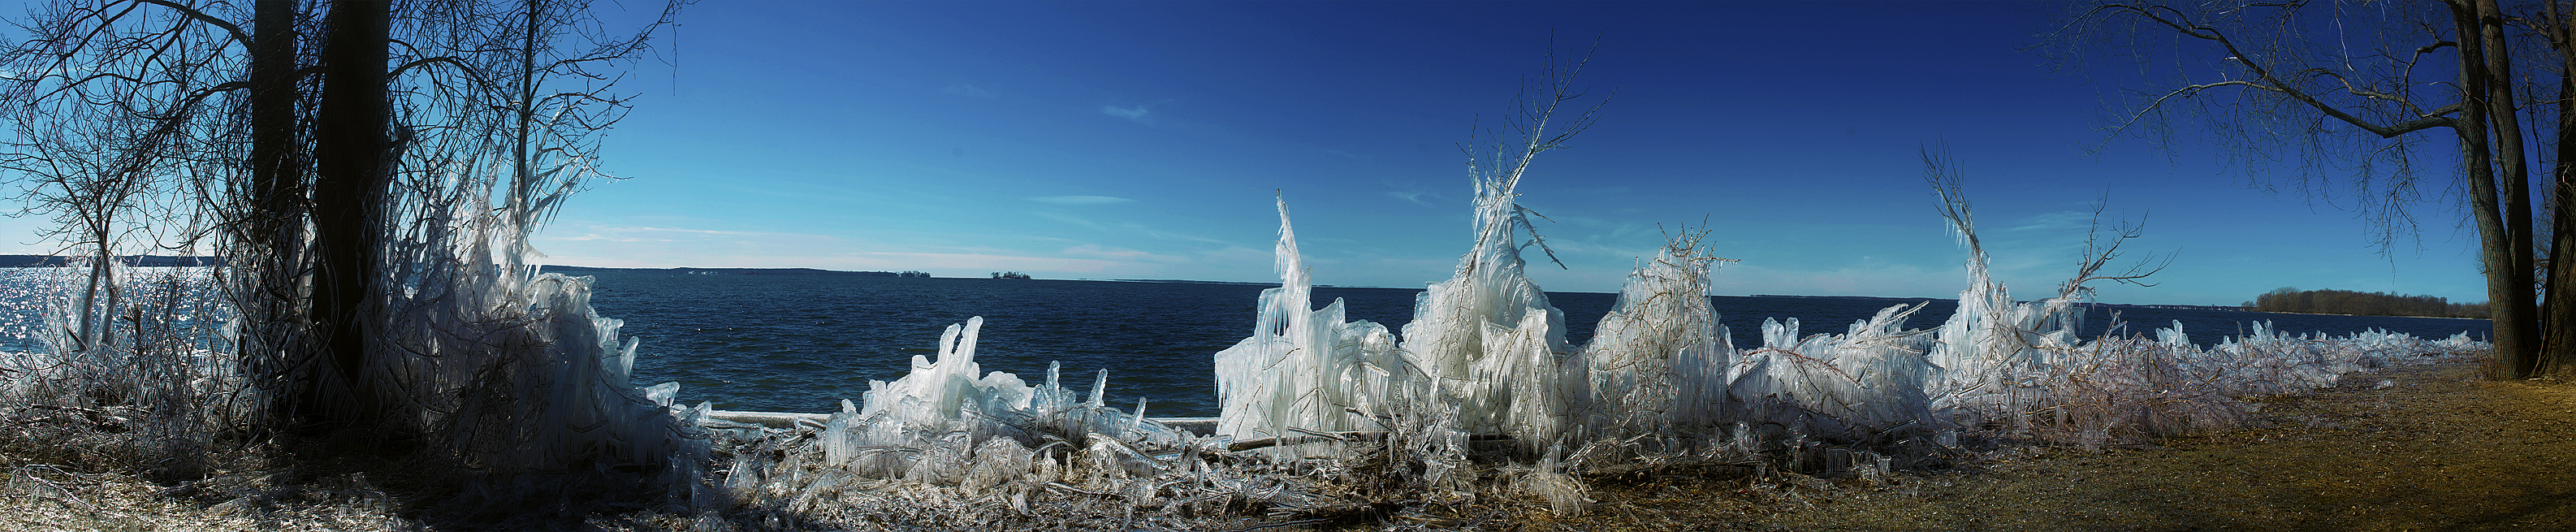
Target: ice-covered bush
column 1656, row 364
column 510, row 372
column 125, row 363
column 1485, row 341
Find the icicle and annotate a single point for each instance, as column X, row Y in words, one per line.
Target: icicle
column 1133, row 421
column 1098, row 387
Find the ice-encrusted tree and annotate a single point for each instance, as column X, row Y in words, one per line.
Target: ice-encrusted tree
column 370, row 172
column 2355, row 88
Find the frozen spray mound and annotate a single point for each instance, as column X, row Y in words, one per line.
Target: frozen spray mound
column 941, row 446
column 1304, row 370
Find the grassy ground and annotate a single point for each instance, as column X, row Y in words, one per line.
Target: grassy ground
column 2408, row 448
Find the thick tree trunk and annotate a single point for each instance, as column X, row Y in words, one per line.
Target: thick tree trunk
column 2509, row 285
column 274, row 173
column 2558, row 319
column 269, row 236
column 352, row 148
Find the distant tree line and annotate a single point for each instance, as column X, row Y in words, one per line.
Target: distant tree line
column 2288, row 299
column 1010, row 275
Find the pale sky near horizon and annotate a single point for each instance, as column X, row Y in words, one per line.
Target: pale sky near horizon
column 1118, row 140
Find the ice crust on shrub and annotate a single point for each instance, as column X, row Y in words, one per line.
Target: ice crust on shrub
column 1485, row 343
column 1657, row 363
column 524, row 381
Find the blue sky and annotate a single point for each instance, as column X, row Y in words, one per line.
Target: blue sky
column 1146, row 140
column 1113, row 140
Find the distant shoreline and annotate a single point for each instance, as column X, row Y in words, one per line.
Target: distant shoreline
column 725, row 271
column 2232, row 308
column 843, row 273
column 2367, row 315
column 57, row 261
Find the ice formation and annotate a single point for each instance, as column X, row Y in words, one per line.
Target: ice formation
column 941, row 429
column 1657, row 362
column 1485, row 343
column 512, row 369
column 1304, row 369
column 1485, row 359
column 1323, row 413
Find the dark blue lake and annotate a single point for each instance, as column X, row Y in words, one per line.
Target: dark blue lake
column 803, row 343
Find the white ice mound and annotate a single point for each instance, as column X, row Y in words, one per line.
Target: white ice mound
column 1657, row 363
column 1302, row 369
column 1862, row 386
column 942, row 425
column 1486, row 340
column 935, row 391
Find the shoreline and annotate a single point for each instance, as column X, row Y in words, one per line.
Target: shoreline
column 1202, row 426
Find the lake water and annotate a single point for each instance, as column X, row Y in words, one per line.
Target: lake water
column 803, row 343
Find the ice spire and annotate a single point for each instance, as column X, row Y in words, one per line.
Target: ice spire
column 1301, row 370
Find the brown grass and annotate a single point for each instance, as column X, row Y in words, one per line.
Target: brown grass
column 2435, row 449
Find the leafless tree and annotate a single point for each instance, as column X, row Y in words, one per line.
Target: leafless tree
column 345, row 157
column 2349, row 90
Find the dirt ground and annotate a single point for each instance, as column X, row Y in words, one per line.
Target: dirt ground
column 2406, row 448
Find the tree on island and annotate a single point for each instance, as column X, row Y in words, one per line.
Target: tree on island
column 2288, row 299
column 2357, row 90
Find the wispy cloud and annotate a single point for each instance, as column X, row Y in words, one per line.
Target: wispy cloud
column 697, row 231
column 1134, row 228
column 1117, row 253
column 593, row 236
column 1081, row 200
column 1138, row 114
column 1142, row 113
column 2067, row 220
column 969, row 91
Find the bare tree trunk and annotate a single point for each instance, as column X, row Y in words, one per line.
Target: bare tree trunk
column 268, row 237
column 2512, row 163
column 2509, row 287
column 274, row 173
column 352, row 148
column 2558, row 320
